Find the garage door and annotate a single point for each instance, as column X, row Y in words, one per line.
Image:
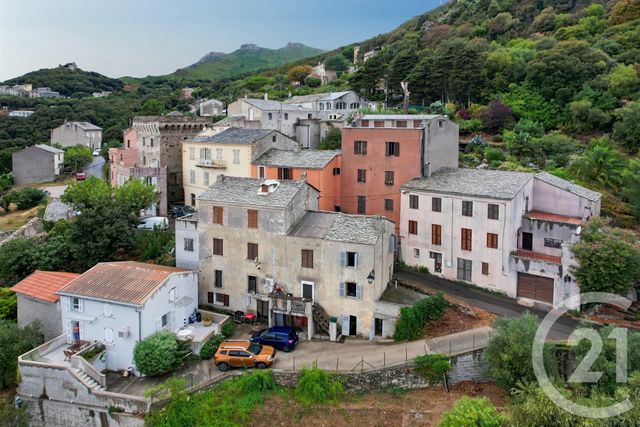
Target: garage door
column 535, row 287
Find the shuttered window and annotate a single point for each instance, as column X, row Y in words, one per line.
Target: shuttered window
column 307, row 258
column 436, row 204
column 465, row 239
column 464, row 269
column 413, row 227
column 252, row 251
column 414, row 202
column 467, row 208
column 436, row 234
column 485, row 268
column 217, row 215
column 252, row 218
column 218, row 247
column 217, row 278
column 493, row 211
column 492, row 240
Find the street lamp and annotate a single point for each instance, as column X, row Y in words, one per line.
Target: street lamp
column 371, row 277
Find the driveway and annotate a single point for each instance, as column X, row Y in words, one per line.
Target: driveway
column 496, row 304
column 95, row 167
column 55, row 191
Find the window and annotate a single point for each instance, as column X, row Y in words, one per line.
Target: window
column 493, row 211
column 414, row 201
column 270, row 115
column 107, row 310
column 378, row 123
column 252, row 284
column 217, row 278
column 464, row 269
column 362, row 204
column 392, row 148
column 284, row 173
column 192, row 177
column 76, row 304
column 436, row 234
column 388, row 205
column 217, row 215
column 218, row 246
column 360, row 147
column 362, row 175
column 205, row 154
column 413, row 227
column 205, row 178
column 321, row 105
column 209, row 297
column 192, row 153
column 144, row 160
column 485, row 268
column 307, row 290
column 193, row 199
column 236, row 157
column 552, row 243
column 364, row 123
column 416, row 252
column 252, row 218
column 286, row 116
column 274, row 138
column 436, row 204
column 172, row 294
column 341, row 105
column 349, row 259
column 261, row 173
column 252, row 251
column 388, row 178
column 467, row 208
column 307, row 258
column 164, row 320
column 188, row 245
column 492, row 240
column 222, row 299
column 440, row 124
column 108, row 335
column 336, row 171
column 144, row 141
column 401, row 123
column 465, row 240
column 351, row 289
column 128, row 143
column 219, row 154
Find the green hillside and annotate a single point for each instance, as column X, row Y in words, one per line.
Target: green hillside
column 247, row 59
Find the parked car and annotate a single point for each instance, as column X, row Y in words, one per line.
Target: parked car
column 81, row 176
column 96, row 152
column 281, row 337
column 243, row 354
column 154, row 222
column 179, row 211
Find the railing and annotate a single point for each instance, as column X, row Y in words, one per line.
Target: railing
column 291, row 304
column 537, row 256
column 214, row 164
column 79, row 362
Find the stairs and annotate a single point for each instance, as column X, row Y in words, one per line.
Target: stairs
column 87, row 380
column 320, row 317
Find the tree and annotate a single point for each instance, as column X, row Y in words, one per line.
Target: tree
column 399, row 69
column 623, row 81
column 624, row 11
column 135, row 195
column 337, row 63
column 626, row 131
column 472, row 412
column 8, row 304
column 608, row 258
column 313, row 82
column 332, row 140
column 299, row 73
column 557, row 148
column 152, row 107
column 17, row 259
column 496, row 115
column 28, row 197
column 256, row 82
column 586, row 117
column 15, row 341
column 86, row 194
column 631, row 192
column 524, row 142
column 78, row 157
column 600, row 164
column 104, row 150
column 157, row 354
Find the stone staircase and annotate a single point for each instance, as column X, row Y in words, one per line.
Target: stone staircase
column 320, row 317
column 87, row 380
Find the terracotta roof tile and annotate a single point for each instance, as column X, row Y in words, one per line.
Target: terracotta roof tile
column 537, row 256
column 127, row 282
column 545, row 216
column 43, row 285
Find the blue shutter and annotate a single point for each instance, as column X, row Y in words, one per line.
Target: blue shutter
column 345, row 324
column 372, row 329
column 358, row 292
column 343, row 259
column 393, row 243
column 342, row 292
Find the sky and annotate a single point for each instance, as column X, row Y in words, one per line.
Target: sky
column 144, row 37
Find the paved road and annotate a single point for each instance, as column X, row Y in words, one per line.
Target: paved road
column 496, row 304
column 55, row 191
column 95, row 167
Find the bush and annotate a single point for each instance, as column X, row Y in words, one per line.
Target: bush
column 15, row 341
column 227, row 329
column 432, row 366
column 211, row 346
column 316, row 386
column 470, row 126
column 26, row 198
column 470, row 412
column 332, row 140
column 157, row 354
column 8, row 304
column 410, row 325
column 313, row 82
column 494, row 155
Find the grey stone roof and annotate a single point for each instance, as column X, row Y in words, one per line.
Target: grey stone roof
column 85, row 125
column 244, row 191
column 49, row 148
column 491, row 184
column 273, row 105
column 304, row 159
column 339, row 227
column 235, row 136
column 568, row 186
column 229, row 120
column 426, row 117
column 325, row 96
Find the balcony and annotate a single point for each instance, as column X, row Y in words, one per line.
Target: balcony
column 211, row 164
column 537, row 256
column 290, row 305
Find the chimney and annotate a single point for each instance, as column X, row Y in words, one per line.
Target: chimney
column 303, row 176
column 220, row 178
column 264, row 188
column 427, row 170
column 266, row 96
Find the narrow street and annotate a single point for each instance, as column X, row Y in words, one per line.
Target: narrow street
column 95, row 167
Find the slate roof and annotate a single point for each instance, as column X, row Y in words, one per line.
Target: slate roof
column 43, row 285
column 84, row 125
column 125, row 282
column 339, row 227
column 487, row 183
column 304, row 159
column 273, row 105
column 325, row 96
column 568, row 186
column 49, row 148
column 235, row 136
column 245, row 191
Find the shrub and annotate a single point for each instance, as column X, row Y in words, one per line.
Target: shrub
column 211, row 346
column 26, row 198
column 497, row 115
column 313, row 82
column 316, row 386
column 494, row 155
column 157, row 354
column 470, row 412
column 227, row 329
column 410, row 325
column 15, row 341
column 432, row 366
column 470, row 126
column 8, row 304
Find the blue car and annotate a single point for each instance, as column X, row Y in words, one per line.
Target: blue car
column 281, row 337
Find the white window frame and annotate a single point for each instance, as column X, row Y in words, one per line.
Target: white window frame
column 236, row 157
column 313, row 288
column 192, row 177
column 108, row 335
column 173, row 294
column 192, row 153
column 107, row 309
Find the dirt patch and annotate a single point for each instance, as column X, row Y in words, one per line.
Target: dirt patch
column 16, row 219
column 457, row 319
column 422, row 407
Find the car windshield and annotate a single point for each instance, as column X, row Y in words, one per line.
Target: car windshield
column 255, row 348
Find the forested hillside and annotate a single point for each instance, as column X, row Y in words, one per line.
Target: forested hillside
column 73, row 83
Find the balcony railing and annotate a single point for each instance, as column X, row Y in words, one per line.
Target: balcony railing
column 537, row 256
column 289, row 304
column 213, row 164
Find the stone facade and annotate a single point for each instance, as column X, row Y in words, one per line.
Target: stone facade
column 38, row 163
column 47, row 313
column 77, row 133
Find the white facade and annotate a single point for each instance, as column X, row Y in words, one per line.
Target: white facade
column 20, row 113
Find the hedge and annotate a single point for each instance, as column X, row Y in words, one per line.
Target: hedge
column 413, row 319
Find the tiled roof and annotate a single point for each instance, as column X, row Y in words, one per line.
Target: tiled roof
column 568, row 186
column 126, row 282
column 546, row 216
column 273, row 105
column 43, row 285
column 49, row 148
column 245, row 191
column 304, row 159
column 339, row 227
column 537, row 256
column 235, row 136
column 487, row 183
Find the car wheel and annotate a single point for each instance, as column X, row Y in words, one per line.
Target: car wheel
column 223, row 366
column 286, row 349
column 260, row 365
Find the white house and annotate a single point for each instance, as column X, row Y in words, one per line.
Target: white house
column 121, row 303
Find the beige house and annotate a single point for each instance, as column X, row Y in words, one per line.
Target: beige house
column 506, row 231
column 228, row 152
column 262, row 247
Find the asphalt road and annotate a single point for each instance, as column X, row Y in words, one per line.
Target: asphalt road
column 95, row 167
column 496, row 304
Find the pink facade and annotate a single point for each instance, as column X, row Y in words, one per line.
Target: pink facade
column 121, row 159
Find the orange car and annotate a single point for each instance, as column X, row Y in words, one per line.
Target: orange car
column 243, row 354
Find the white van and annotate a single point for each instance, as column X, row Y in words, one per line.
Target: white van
column 154, row 222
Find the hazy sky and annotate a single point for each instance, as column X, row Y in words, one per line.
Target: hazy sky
column 142, row 37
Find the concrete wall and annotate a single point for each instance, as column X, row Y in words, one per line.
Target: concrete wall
column 548, row 198
column 187, row 228
column 47, row 313
column 69, row 135
column 34, row 165
column 441, row 144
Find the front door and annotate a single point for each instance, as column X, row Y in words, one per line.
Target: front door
column 527, row 241
column 307, row 291
column 262, row 311
column 437, row 262
column 353, row 325
column 378, row 327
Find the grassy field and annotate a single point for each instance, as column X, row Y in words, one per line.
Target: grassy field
column 16, row 219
